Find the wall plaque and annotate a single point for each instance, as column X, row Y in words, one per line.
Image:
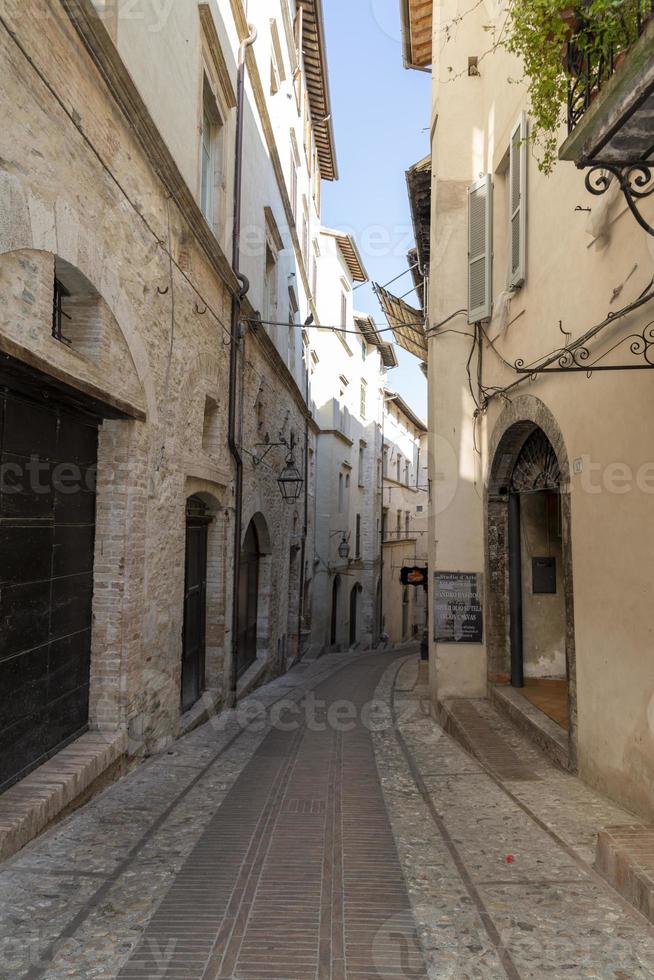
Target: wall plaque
column 458, row 611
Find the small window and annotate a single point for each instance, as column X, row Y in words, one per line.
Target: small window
column 407, row 524
column 340, row 493
column 274, row 77
column 293, row 310
column 398, row 525
column 59, row 314
column 211, row 156
column 293, row 184
column 277, row 73
column 407, row 473
column 363, row 396
column 517, row 202
column 77, row 311
column 305, row 237
column 398, row 467
column 270, row 287
column 357, row 538
column 362, row 456
column 211, row 427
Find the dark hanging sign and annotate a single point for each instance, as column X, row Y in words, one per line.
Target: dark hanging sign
column 414, row 575
column 458, row 611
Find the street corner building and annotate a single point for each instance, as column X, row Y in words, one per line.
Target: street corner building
column 538, row 320
column 161, row 265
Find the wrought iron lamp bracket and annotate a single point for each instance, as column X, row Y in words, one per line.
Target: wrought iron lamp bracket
column 577, row 358
column 267, row 446
column 636, row 182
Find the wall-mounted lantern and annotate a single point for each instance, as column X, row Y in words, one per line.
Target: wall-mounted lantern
column 344, row 549
column 290, row 481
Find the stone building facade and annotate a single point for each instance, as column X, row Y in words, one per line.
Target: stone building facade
column 539, row 465
column 404, row 521
column 349, row 366
column 117, row 327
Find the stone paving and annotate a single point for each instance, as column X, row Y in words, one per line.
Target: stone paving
column 317, row 834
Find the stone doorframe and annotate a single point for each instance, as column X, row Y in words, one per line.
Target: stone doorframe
column 516, row 423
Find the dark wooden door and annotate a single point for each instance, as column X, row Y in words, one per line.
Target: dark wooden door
column 195, row 603
column 336, row 589
column 48, row 455
column 248, row 602
column 354, row 611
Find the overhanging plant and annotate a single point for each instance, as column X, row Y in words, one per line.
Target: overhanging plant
column 544, row 34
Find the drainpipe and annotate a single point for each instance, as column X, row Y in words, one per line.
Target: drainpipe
column 515, row 591
column 234, row 356
column 305, row 526
column 381, row 526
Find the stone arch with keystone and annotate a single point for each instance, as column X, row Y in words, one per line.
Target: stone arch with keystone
column 517, row 422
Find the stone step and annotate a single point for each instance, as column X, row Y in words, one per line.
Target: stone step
column 59, row 785
column 625, row 858
column 544, row 732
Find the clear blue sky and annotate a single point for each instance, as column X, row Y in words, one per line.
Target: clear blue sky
column 381, row 123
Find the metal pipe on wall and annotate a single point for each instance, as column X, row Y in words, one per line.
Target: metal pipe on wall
column 515, row 592
column 234, row 356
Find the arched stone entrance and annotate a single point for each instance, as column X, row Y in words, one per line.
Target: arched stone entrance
column 354, row 613
column 530, row 606
column 195, row 602
column 254, row 595
column 336, row 593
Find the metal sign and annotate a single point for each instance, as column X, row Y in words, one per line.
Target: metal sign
column 458, row 610
column 414, row 575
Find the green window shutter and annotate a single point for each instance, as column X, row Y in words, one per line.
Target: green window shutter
column 518, row 203
column 480, row 249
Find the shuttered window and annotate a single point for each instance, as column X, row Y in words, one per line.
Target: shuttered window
column 518, row 202
column 480, row 249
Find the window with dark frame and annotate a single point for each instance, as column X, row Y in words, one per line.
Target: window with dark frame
column 60, row 292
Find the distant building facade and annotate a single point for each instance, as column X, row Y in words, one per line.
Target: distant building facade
column 404, row 518
column 349, row 366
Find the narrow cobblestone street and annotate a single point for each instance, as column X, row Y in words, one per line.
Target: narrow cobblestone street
column 321, row 840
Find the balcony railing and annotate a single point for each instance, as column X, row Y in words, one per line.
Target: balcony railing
column 591, row 65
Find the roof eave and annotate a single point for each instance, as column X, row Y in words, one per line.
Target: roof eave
column 328, row 99
column 407, row 411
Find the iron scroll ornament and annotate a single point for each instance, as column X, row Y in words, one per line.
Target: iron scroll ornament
column 636, row 182
column 578, row 357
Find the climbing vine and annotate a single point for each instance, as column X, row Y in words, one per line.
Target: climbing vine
column 558, row 39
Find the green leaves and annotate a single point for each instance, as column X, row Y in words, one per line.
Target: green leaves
column 542, row 33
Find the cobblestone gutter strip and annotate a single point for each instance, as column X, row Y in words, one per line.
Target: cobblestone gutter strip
column 76, row 901
column 544, row 912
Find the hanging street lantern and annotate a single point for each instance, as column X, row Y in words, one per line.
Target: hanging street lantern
column 290, row 482
column 344, row 549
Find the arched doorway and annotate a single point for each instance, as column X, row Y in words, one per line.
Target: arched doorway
column 530, row 610
column 195, row 602
column 248, row 600
column 354, row 613
column 336, row 593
